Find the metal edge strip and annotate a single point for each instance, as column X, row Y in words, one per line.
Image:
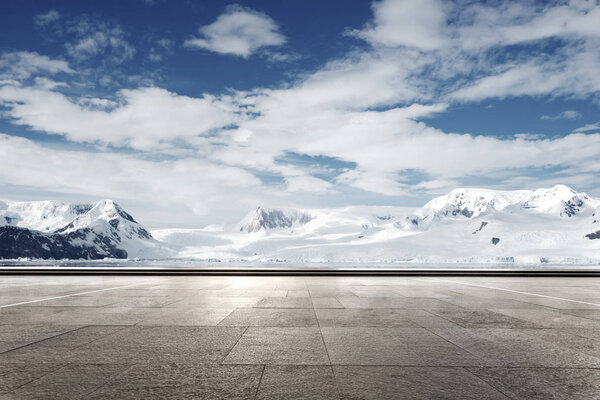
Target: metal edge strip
column 249, row 271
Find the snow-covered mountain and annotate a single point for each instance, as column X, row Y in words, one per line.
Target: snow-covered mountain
column 58, row 230
column 470, row 203
column 555, row 225
column 265, row 219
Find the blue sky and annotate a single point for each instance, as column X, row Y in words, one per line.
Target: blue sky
column 194, row 112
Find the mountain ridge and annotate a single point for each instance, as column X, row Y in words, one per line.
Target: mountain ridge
column 464, row 225
column 60, row 230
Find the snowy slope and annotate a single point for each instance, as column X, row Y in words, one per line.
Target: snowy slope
column 554, row 225
column 466, row 225
column 48, row 229
column 45, row 216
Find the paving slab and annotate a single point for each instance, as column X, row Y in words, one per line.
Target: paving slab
column 390, row 317
column 290, row 382
column 270, row 317
column 518, row 348
column 284, row 302
column 71, row 381
column 183, row 381
column 279, row 346
column 393, row 346
column 309, row 337
column 543, row 383
column 392, row 383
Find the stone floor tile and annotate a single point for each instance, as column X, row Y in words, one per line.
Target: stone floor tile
column 284, row 302
column 279, row 346
column 297, row 382
column 390, row 317
column 393, row 346
column 543, row 383
column 183, row 381
column 270, row 317
column 390, row 382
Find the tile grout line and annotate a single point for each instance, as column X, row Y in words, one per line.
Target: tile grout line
column 486, row 382
column 455, row 345
column 48, row 338
column 519, row 292
column 235, row 344
column 260, row 381
column 61, row 366
column 71, row 295
column 337, row 386
column 112, row 379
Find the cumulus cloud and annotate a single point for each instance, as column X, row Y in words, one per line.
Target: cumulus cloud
column 412, row 23
column 366, row 110
column 188, row 183
column 239, row 31
column 468, row 46
column 144, row 118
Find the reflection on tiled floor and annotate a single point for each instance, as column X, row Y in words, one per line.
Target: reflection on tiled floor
column 299, row 337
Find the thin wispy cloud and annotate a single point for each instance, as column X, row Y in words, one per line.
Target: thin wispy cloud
column 588, row 128
column 43, row 20
column 567, row 114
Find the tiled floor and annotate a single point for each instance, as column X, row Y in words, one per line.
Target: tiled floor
column 299, row 337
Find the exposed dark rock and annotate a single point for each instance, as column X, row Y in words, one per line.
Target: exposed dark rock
column 572, row 207
column 18, row 242
column 483, row 223
column 593, row 235
column 495, row 240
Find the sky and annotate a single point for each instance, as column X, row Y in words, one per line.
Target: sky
column 190, row 113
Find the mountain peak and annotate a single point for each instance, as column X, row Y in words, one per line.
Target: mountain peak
column 467, row 203
column 53, row 229
column 108, row 209
column 273, row 218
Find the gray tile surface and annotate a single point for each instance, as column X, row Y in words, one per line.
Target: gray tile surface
column 543, row 383
column 384, row 383
column 281, row 346
column 291, row 337
column 307, row 382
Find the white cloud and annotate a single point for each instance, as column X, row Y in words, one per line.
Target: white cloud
column 43, row 20
column 510, row 23
column 365, row 109
column 94, row 38
column 463, row 43
column 567, row 114
column 433, row 24
column 572, row 72
column 589, row 127
column 187, row 183
column 22, row 65
column 413, row 23
column 239, row 31
column 146, row 118
column 159, row 49
column 47, row 84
